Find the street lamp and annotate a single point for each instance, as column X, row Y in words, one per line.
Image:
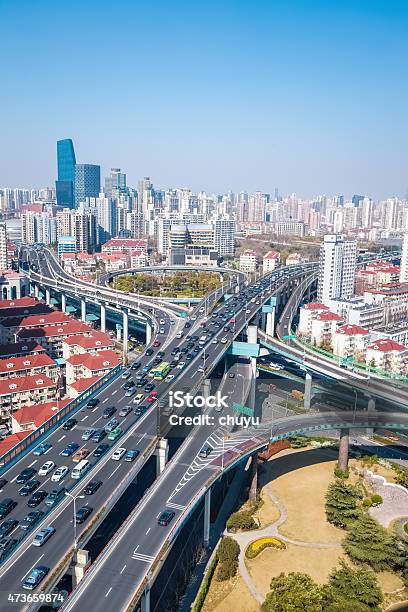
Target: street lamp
column 74, row 498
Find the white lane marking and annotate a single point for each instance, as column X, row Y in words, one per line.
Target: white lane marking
column 142, row 557
column 148, row 530
column 113, row 392
column 105, row 400
column 39, row 559
column 96, row 408
column 45, row 481
column 136, row 549
column 115, row 470
column 33, row 463
column 123, row 569
column 108, row 591
column 96, row 420
column 14, row 478
column 85, row 417
column 158, row 515
column 61, row 438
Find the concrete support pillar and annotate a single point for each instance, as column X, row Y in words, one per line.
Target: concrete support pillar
column 370, row 409
column 252, row 391
column 162, row 455
column 253, row 487
column 207, row 515
column 103, row 317
column 63, row 302
column 36, row 291
column 237, row 288
column 148, row 333
column 145, row 601
column 252, row 334
column 270, row 323
column 125, row 333
column 344, row 449
column 47, row 296
column 206, row 388
column 83, row 310
column 80, row 563
column 118, row 333
column 308, row 391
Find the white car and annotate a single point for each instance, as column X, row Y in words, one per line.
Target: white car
column 139, row 397
column 224, row 340
column 59, row 474
column 247, row 311
column 161, row 330
column 200, row 369
column 193, row 317
column 162, row 322
column 214, row 341
column 118, row 454
column 179, row 335
column 172, row 322
column 46, row 468
column 88, row 433
column 169, row 378
column 181, row 365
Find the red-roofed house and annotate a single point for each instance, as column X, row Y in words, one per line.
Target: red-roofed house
column 271, row 260
column 30, row 365
column 18, row 349
column 30, row 418
column 324, row 326
column 307, row 313
column 9, row 327
column 11, row 441
column 388, row 355
column 24, row 302
column 138, row 259
column 350, row 341
column 85, row 365
column 97, row 341
column 81, row 385
column 51, row 337
column 124, row 244
column 114, row 261
column 23, row 391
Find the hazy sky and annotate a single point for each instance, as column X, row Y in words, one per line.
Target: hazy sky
column 309, row 96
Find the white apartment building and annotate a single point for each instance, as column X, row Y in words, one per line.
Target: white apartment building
column 387, row 355
column 307, row 313
column 324, row 326
column 270, row 261
column 338, row 258
column 404, row 260
column 247, row 261
column 350, row 341
column 3, row 246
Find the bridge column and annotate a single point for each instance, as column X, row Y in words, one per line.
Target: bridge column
column 162, row 455
column 308, row 391
column 125, row 333
column 148, row 333
column 270, row 322
column 80, row 563
column 145, row 601
column 253, row 487
column 103, row 317
column 252, row 336
column 36, row 291
column 63, row 302
column 370, row 409
column 206, row 387
column 344, row 449
column 118, row 332
column 207, row 514
column 47, row 296
column 83, row 310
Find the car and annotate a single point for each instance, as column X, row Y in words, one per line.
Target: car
column 31, row 519
column 92, row 487
column 108, row 412
column 88, row 433
column 59, row 473
column 169, row 378
column 193, row 317
column 200, row 369
column 6, row 506
column 162, row 330
column 179, row 334
column 43, row 536
column 139, row 410
column 128, row 385
column 98, row 435
column 149, row 352
column 70, row 449
column 172, row 322
column 156, row 343
column 7, row 527
column 187, row 325
column 92, row 403
column 25, row 475
column 125, row 411
column 118, row 454
column 29, row 487
column 165, row 518
column 196, row 349
column 226, row 329
column 114, row 434
column 224, row 340
column 184, row 350
column 111, row 425
column 162, row 322
column 3, row 482
column 36, row 576
column 151, row 398
column 131, row 391
column 82, row 514
column 135, row 366
column 101, row 450
column 181, row 365
column 131, row 454
column 36, row 498
column 139, row 398
column 149, row 387
column 231, row 375
column 6, row 544
column 214, row 341
column 247, row 311
column 81, row 454
column 161, row 354
column 205, row 451
column 69, row 424
column 126, row 375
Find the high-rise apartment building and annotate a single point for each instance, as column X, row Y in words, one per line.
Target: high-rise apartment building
column 87, row 182
column 66, row 161
column 338, row 257
column 224, row 232
column 404, row 260
column 115, row 183
column 3, row 246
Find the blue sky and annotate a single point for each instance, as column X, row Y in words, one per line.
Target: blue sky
column 309, row 96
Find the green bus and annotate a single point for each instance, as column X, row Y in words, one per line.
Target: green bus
column 161, row 370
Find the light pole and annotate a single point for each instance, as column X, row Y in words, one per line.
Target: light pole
column 74, row 498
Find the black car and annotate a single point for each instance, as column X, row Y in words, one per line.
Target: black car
column 68, row 425
column 108, row 412
column 6, row 544
column 128, row 385
column 31, row 519
column 101, row 450
column 36, row 576
column 93, row 403
column 36, row 498
column 82, row 514
column 149, row 352
column 173, row 364
column 29, row 487
column 98, row 435
column 188, row 357
column 139, row 410
column 141, row 382
column 187, row 325
column 6, row 506
column 165, row 518
column 161, row 354
column 149, row 387
column 196, row 349
column 25, row 475
column 7, row 527
column 184, row 350
column 92, row 486
column 194, row 338
column 3, row 482
column 135, row 365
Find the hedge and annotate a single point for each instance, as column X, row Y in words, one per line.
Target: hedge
column 205, row 585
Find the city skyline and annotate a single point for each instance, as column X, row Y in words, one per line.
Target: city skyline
column 309, row 99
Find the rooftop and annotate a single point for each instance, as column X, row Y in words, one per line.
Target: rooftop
column 352, row 330
column 386, row 345
column 23, row 302
column 29, row 361
column 69, row 329
column 315, row 306
column 328, row 316
column 39, row 413
column 83, row 384
column 24, row 383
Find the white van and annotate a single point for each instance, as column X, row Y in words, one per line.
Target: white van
column 80, row 469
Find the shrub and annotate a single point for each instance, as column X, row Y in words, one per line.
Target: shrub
column 367, row 502
column 293, row 592
column 339, row 473
column 376, row 499
column 226, row 570
column 258, row 546
column 368, row 542
column 227, row 555
column 205, row 585
column 406, row 528
column 342, row 503
column 241, row 520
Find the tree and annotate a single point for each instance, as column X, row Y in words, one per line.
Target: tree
column 368, row 542
column 401, row 560
column 351, row 589
column 402, row 478
column 227, row 553
column 241, row 520
column 295, row 592
column 342, row 503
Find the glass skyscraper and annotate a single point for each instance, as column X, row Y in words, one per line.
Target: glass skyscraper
column 66, row 173
column 87, row 182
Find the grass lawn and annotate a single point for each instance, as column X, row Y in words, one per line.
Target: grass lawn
column 230, row 596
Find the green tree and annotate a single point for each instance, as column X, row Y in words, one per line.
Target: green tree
column 401, row 560
column 342, row 503
column 295, row 592
column 350, row 589
column 368, row 542
column 402, row 478
column 227, row 553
